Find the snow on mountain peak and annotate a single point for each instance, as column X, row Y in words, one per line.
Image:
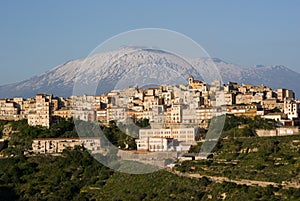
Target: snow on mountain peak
column 146, row 66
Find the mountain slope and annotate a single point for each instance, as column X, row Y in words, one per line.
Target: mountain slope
column 277, row 76
column 145, row 67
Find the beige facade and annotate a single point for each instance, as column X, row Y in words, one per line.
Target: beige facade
column 101, row 115
column 175, row 114
column 9, row 110
column 151, row 101
column 84, row 115
column 249, row 110
column 57, row 145
column 41, row 116
column 244, row 98
column 116, row 113
column 63, row 113
column 285, row 93
column 270, row 104
column 279, row 116
column 281, row 131
column 205, row 113
column 197, row 84
column 28, row 107
column 229, row 98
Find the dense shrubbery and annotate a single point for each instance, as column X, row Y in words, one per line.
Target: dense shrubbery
column 77, row 176
column 117, row 137
column 248, row 126
column 23, row 134
column 50, row 178
column 274, row 159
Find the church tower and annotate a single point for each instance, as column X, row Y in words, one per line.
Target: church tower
column 191, row 80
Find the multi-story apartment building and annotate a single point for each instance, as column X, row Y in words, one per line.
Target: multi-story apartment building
column 291, row 108
column 157, row 114
column 189, row 116
column 101, row 115
column 63, row 113
column 176, row 114
column 205, row 113
column 180, row 134
column 244, row 98
column 285, row 93
column 150, row 101
column 28, row 106
column 271, row 103
column 116, row 113
column 84, row 115
column 9, row 110
column 229, row 98
column 249, row 110
column 41, row 116
column 57, row 145
column 271, row 94
column 156, row 144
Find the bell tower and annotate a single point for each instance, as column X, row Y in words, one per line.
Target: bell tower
column 191, row 80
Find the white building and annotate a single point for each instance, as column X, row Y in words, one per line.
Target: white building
column 84, row 115
column 156, row 144
column 116, row 113
column 274, row 116
column 291, row 108
column 180, row 134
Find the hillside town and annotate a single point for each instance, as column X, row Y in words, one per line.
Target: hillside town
column 175, row 112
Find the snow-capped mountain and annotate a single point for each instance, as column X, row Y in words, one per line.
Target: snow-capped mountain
column 141, row 66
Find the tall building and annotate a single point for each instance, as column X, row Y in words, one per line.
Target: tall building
column 41, row 115
column 285, row 93
column 291, row 108
column 9, row 110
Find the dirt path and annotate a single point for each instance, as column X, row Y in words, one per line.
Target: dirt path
column 240, row 182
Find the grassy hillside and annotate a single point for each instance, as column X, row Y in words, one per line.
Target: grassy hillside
column 77, row 176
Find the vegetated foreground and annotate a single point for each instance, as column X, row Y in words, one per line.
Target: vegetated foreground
column 269, row 159
column 75, row 175
column 248, row 157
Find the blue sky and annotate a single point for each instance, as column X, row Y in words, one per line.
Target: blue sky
column 36, row 36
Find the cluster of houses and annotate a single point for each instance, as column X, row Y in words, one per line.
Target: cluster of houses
column 175, row 112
